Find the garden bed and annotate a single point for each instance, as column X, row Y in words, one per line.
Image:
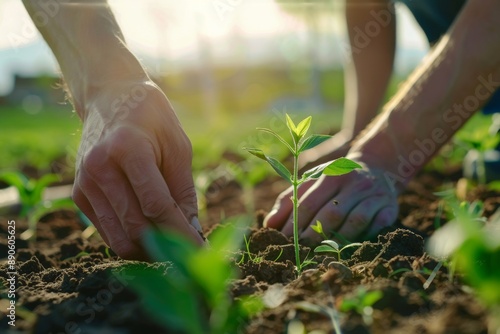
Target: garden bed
column 70, row 284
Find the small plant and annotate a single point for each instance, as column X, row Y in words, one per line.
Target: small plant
column 476, row 136
column 330, row 246
column 362, row 303
column 472, row 247
column 30, row 190
column 192, row 296
column 318, row 228
column 33, row 206
column 300, row 143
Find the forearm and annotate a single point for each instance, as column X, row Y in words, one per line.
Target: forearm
column 371, row 27
column 454, row 81
column 88, row 45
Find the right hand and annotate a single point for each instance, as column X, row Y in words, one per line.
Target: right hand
column 134, row 167
column 354, row 205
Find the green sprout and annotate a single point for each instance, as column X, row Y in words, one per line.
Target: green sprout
column 362, row 303
column 318, row 228
column 33, row 206
column 301, row 143
column 330, row 246
column 193, row 295
column 472, row 246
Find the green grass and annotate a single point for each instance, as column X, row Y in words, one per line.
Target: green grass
column 37, row 140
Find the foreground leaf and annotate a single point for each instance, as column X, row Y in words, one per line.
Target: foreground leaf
column 280, row 169
column 312, row 141
column 341, row 166
column 256, row 152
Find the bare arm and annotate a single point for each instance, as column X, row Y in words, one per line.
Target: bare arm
column 134, row 160
column 454, row 81
column 371, row 27
column 372, row 35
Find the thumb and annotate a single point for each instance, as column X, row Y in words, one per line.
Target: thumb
column 281, row 211
column 283, row 207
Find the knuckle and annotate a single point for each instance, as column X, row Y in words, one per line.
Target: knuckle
column 134, row 230
column 124, row 249
column 358, row 222
column 94, row 162
column 152, row 208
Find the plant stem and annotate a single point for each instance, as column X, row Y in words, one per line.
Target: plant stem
column 295, row 214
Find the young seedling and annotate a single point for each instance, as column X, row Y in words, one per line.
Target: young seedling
column 362, row 303
column 301, row 143
column 318, row 228
column 193, row 295
column 33, row 206
column 330, row 246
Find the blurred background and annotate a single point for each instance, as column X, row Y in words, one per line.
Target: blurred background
column 226, row 65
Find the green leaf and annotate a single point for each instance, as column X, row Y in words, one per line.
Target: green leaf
column 354, row 244
column 293, row 130
column 318, row 228
column 279, row 138
column 314, row 172
column 303, row 126
column 324, row 248
column 257, row 152
column 169, row 247
column 313, row 141
column 341, row 166
column 40, row 186
column 280, row 169
column 172, row 304
column 290, row 124
column 331, row 244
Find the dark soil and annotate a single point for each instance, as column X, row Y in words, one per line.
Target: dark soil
column 74, row 285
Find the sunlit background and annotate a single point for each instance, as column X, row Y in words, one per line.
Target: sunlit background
column 224, row 64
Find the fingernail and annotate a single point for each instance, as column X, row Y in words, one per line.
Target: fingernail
column 196, row 224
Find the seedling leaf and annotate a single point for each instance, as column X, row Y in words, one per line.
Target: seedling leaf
column 312, row 141
column 331, row 243
column 169, row 248
column 280, row 169
column 318, row 228
column 303, row 127
column 340, row 166
column 324, row 248
column 171, row 304
column 290, row 124
column 257, row 152
column 314, row 172
column 281, row 139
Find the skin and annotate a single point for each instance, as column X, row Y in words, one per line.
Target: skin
column 367, row 73
column 133, row 169
column 463, row 66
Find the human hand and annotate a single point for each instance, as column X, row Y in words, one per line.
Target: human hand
column 134, row 167
column 353, row 205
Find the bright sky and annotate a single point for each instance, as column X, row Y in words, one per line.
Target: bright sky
column 173, row 29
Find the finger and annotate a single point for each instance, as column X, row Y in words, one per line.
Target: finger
column 315, row 197
column 384, row 218
column 359, row 219
column 151, row 190
column 84, row 205
column 118, row 191
column 283, row 207
column 107, row 220
column 177, row 171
